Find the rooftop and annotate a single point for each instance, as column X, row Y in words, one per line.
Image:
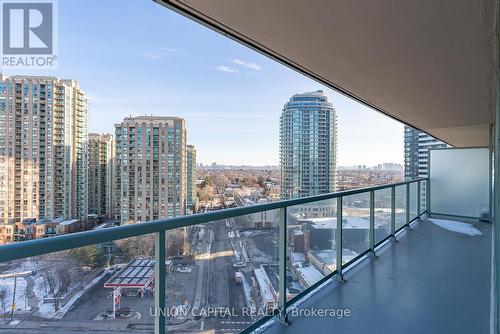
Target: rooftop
column 331, row 223
column 138, row 273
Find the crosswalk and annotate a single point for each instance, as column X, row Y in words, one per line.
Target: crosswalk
column 237, row 322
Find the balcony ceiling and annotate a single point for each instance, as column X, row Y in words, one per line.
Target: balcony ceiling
column 428, row 63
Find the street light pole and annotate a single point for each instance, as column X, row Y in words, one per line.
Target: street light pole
column 13, row 298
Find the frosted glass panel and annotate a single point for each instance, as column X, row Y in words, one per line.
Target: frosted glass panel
column 459, row 182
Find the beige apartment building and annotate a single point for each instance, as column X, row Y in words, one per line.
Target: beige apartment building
column 43, row 149
column 101, row 156
column 150, row 168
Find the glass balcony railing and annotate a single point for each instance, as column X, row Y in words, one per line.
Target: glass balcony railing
column 231, row 269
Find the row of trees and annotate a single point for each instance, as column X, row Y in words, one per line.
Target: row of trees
column 215, row 182
column 144, row 246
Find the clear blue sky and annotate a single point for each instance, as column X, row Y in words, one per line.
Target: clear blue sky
column 136, row 58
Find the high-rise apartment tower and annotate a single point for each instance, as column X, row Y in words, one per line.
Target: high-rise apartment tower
column 43, row 149
column 150, row 168
column 308, row 145
column 101, row 158
column 417, row 145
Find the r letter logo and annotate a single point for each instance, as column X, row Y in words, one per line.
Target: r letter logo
column 29, row 34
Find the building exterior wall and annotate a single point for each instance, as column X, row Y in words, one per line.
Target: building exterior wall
column 150, row 168
column 417, row 145
column 191, row 176
column 308, row 146
column 100, row 176
column 43, row 138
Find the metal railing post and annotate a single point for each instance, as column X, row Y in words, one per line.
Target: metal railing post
column 408, row 206
column 428, row 196
column 160, row 283
column 338, row 241
column 419, row 199
column 372, row 223
column 282, row 265
column 393, row 214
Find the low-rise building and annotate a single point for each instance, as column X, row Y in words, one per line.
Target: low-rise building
column 325, row 260
column 30, row 229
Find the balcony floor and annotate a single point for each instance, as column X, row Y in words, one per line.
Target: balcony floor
column 432, row 281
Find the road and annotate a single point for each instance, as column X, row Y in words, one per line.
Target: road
column 222, row 288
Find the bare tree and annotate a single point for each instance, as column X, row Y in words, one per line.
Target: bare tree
column 3, row 300
column 56, row 286
column 206, row 193
column 221, row 181
column 175, row 242
column 135, row 247
column 58, row 277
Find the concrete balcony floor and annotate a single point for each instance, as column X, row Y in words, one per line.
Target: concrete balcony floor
column 432, row 281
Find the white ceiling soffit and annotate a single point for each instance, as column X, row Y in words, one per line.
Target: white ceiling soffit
column 428, row 63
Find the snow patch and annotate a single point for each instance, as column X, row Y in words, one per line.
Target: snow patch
column 20, row 298
column 459, row 227
column 46, row 310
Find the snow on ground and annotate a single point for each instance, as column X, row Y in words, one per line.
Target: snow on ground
column 201, row 234
column 244, row 251
column 253, row 233
column 248, row 293
column 455, row 226
column 266, row 288
column 310, row 275
column 40, row 288
column 47, row 310
column 236, row 251
column 298, row 257
column 20, row 300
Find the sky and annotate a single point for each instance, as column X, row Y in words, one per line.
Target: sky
column 136, row 57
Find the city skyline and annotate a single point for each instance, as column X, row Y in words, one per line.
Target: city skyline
column 229, row 95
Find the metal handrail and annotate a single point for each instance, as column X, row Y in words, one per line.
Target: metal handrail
column 31, row 248
column 36, row 247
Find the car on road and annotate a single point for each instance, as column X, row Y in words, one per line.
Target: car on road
column 185, row 270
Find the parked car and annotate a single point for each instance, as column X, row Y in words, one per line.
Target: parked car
column 185, row 270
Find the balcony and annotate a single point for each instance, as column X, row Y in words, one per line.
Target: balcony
column 384, row 283
column 380, row 253
column 414, row 286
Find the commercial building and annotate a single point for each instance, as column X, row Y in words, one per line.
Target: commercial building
column 43, row 149
column 308, row 145
column 417, row 145
column 151, row 168
column 101, row 156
